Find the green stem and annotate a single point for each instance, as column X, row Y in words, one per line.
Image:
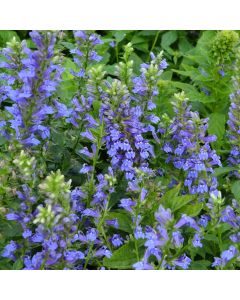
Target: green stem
column 154, row 42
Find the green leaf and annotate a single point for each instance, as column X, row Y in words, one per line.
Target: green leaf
column 191, row 210
column 184, row 45
column 169, row 195
column 67, row 90
column 18, row 264
column 206, row 38
column 168, row 38
column 7, row 36
column 216, row 125
column 124, row 257
column 223, row 170
column 235, row 188
column 124, row 220
column 10, row 229
column 119, row 35
column 180, row 201
column 200, row 265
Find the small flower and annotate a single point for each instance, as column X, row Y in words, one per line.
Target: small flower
column 197, row 241
column 177, row 239
column 72, row 255
column 9, row 250
column 163, row 215
column 127, row 204
column 116, row 240
column 183, row 262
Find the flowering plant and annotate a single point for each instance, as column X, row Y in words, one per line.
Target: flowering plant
column 98, row 172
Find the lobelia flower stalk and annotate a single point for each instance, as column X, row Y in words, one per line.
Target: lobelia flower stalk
column 188, row 149
column 234, row 121
column 36, row 75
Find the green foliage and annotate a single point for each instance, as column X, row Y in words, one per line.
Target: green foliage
column 124, row 257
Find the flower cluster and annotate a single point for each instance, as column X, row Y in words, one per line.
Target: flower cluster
column 30, row 83
column 233, row 123
column 124, row 140
column 158, row 251
column 188, row 148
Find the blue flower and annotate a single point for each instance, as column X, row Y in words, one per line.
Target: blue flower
column 72, row 255
column 183, row 262
column 127, row 204
column 9, row 250
column 116, row 240
column 177, row 239
column 197, row 241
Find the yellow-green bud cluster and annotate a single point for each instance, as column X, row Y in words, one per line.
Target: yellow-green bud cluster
column 55, row 186
column 224, row 46
column 45, row 216
column 25, row 164
column 111, row 180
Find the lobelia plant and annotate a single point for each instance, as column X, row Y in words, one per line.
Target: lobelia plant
column 97, row 174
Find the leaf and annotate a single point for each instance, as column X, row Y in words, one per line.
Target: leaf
column 216, row 125
column 67, row 90
column 167, row 75
column 124, row 220
column 191, row 210
column 124, row 257
column 235, row 188
column 181, row 201
column 18, row 264
column 7, row 36
column 137, row 61
column 169, row 195
column 184, row 45
column 223, row 170
column 168, row 38
column 119, row 35
column 10, row 228
column 200, row 265
column 68, row 66
column 206, row 38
